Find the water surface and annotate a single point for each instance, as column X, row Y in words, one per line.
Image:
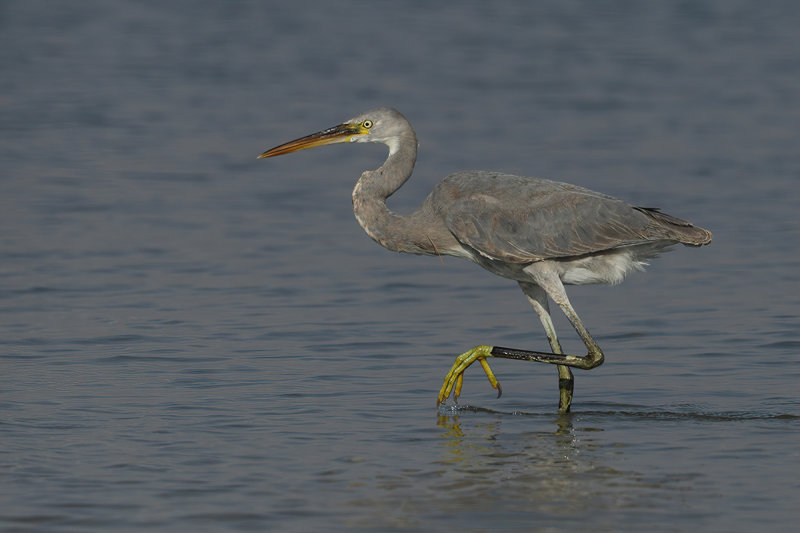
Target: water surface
column 192, row 339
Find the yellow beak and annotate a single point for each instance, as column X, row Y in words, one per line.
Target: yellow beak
column 338, row 134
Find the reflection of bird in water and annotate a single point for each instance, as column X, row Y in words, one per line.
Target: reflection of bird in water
column 542, row 234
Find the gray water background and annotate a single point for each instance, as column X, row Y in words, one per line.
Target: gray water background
column 195, row 340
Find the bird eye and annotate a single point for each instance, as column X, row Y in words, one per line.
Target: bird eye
column 367, row 124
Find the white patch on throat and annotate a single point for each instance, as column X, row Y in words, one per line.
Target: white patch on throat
column 392, row 142
column 394, row 145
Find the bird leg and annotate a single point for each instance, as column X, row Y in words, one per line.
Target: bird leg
column 454, row 379
column 566, row 386
column 545, row 283
column 566, row 381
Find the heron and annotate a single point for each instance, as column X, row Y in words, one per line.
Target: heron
column 542, row 234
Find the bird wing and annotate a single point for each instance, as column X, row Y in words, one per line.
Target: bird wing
column 521, row 220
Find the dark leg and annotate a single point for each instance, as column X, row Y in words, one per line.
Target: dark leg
column 545, row 279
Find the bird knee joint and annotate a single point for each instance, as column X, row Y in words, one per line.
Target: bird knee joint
column 594, row 359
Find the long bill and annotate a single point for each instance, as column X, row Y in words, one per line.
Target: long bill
column 337, row 134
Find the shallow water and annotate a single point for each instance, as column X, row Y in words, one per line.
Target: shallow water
column 195, row 339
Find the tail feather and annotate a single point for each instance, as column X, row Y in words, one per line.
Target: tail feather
column 676, row 228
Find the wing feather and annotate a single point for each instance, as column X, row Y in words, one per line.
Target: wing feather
column 521, row 220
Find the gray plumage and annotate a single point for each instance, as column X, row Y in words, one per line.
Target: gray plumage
column 541, row 233
column 484, row 210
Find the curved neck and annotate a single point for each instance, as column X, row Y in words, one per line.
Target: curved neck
column 390, row 230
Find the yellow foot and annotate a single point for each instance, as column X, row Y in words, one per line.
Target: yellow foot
column 455, row 378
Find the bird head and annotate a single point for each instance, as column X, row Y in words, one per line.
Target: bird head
column 382, row 125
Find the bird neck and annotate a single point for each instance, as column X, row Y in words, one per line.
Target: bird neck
column 395, row 232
